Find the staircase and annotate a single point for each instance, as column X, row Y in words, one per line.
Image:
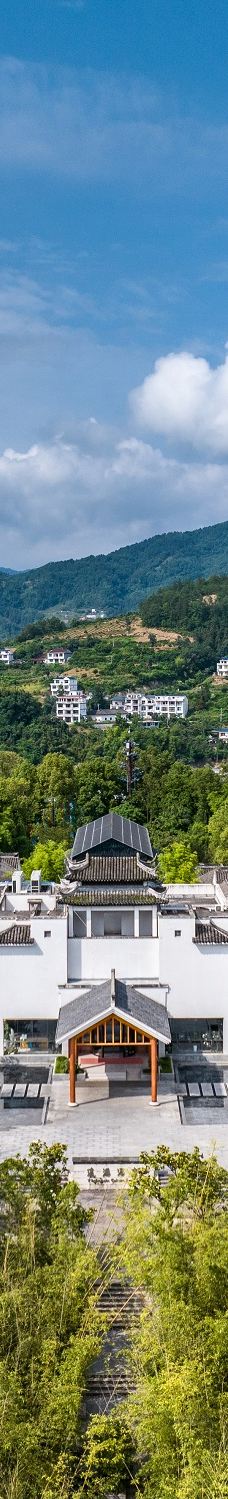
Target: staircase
column 110, row 1379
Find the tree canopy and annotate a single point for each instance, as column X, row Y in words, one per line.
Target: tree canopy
column 167, row 1438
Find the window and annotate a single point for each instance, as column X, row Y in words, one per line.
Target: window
column 112, row 924
column 47, row 933
column 177, row 932
column 79, row 923
column 145, row 923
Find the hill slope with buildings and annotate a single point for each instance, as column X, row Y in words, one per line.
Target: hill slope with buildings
column 115, row 583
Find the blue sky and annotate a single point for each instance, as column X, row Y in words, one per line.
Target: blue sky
column 113, row 273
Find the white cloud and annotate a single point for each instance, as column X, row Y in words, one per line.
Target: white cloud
column 97, row 492
column 185, row 400
column 100, row 126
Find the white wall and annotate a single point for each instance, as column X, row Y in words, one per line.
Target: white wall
column 19, row 901
column 197, row 976
column 29, row 976
column 93, row 958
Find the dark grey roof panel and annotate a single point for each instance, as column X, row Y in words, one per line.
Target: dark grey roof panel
column 209, row 935
column 80, row 1011
column 17, row 935
column 143, row 1008
column 112, row 826
column 86, row 1008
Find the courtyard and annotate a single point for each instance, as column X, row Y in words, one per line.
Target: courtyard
column 108, row 1133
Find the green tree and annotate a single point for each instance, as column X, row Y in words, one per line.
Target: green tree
column 49, row 857
column 108, row 1457
column 174, row 1250
column 178, row 863
column 218, row 833
column 17, row 787
column 50, row 1325
column 55, row 789
column 198, row 839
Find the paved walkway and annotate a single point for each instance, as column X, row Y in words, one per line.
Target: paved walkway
column 117, row 1129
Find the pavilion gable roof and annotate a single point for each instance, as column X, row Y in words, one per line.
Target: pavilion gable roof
column 126, row 1003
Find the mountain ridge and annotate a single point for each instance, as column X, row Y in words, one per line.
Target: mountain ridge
column 117, row 581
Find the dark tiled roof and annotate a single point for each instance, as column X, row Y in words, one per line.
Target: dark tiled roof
column 112, row 869
column 9, row 862
column 17, row 935
column 112, row 828
column 82, row 1011
column 109, row 897
column 209, row 935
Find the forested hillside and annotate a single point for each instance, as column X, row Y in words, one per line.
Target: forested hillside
column 115, row 583
column 189, row 605
column 53, row 778
column 198, row 607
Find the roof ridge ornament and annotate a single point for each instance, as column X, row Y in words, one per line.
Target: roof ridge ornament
column 113, row 985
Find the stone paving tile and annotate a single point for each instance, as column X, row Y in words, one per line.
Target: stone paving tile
column 115, row 1130
column 193, row 1089
column 118, row 1128
column 207, row 1090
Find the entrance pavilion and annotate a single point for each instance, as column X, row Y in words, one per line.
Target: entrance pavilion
column 112, row 1015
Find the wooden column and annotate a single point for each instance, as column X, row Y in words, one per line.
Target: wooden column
column 154, row 1069
column 72, row 1051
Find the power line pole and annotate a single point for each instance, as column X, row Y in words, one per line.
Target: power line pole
column 130, row 760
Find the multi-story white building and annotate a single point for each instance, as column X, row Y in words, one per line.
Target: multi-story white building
column 167, row 948
column 68, row 686
column 72, row 709
column 7, row 657
column 223, row 735
column 151, row 705
column 56, row 657
column 222, row 667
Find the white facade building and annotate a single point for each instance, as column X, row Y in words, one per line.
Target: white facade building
column 72, row 709
column 150, row 705
column 67, row 685
column 104, row 717
column 7, row 657
column 222, row 667
column 109, row 914
column 223, row 735
column 95, row 614
column 56, row 657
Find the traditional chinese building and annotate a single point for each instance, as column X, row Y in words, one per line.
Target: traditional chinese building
column 109, row 960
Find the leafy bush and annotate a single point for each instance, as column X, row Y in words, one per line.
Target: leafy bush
column 61, row 1064
column 165, row 1064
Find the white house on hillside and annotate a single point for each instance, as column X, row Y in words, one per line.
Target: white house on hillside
column 151, row 705
column 7, row 657
column 72, row 708
column 67, row 685
column 56, row 657
column 222, row 667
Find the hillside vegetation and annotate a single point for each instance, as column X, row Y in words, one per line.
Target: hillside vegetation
column 52, row 778
column 115, row 582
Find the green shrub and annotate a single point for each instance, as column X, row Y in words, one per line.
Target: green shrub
column 165, row 1064
column 61, row 1064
